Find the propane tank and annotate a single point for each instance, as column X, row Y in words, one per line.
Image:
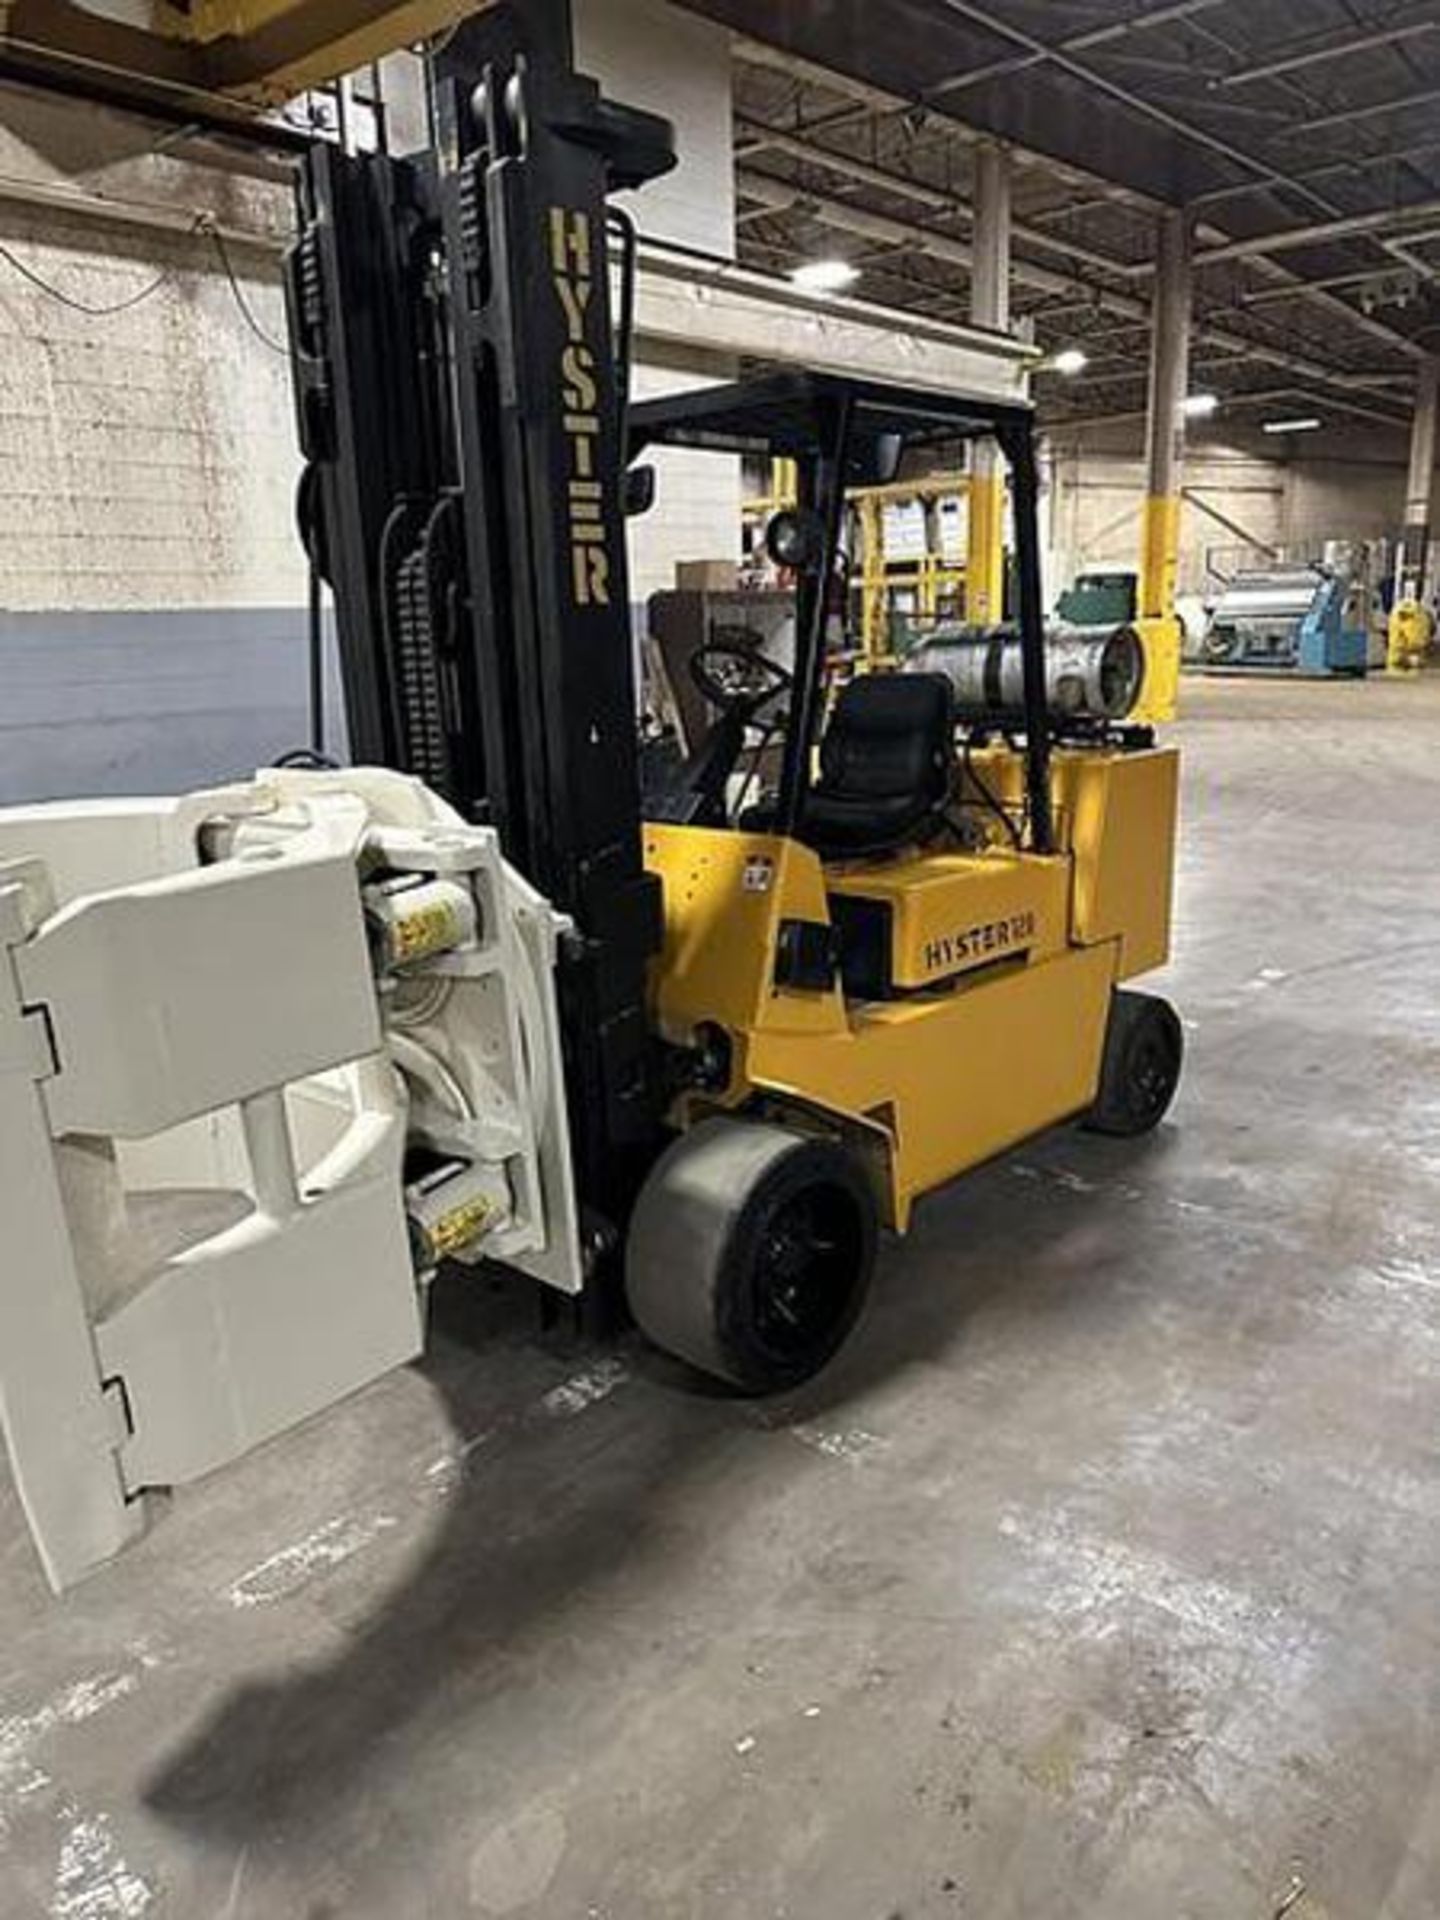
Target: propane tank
column 1091, row 673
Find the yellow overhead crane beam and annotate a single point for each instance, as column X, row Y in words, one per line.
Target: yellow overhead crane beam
column 283, row 46
column 254, row 52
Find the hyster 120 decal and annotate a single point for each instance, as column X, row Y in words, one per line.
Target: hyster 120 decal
column 991, row 940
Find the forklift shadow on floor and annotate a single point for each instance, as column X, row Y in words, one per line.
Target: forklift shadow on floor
column 539, row 1518
column 559, row 1527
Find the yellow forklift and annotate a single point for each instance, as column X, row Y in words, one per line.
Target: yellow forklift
column 489, row 994
column 785, row 1016
column 272, row 1053
column 908, row 956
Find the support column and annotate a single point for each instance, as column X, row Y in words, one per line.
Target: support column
column 1164, row 467
column 989, row 307
column 1411, row 623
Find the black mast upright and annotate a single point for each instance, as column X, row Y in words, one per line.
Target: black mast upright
column 472, row 469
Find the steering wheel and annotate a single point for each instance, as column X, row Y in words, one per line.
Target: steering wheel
column 737, row 678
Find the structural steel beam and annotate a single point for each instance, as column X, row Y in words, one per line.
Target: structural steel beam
column 1169, row 373
column 1240, row 402
column 1350, row 116
column 1169, row 382
column 1352, row 226
column 1333, row 50
column 879, row 100
column 865, row 96
column 1188, row 130
column 903, row 186
column 1078, row 294
column 1419, row 498
column 1420, row 482
column 1102, row 83
column 717, row 306
column 1075, row 43
column 1352, row 163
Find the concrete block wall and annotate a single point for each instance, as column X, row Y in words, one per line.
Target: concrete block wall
column 1363, row 494
column 152, row 630
column 1296, row 497
column 150, row 455
column 1097, row 499
column 696, row 515
column 152, row 592
column 649, row 54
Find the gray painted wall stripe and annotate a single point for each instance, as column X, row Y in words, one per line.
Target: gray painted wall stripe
column 151, row 701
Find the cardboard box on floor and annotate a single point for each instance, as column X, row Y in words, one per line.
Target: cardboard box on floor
column 707, row 576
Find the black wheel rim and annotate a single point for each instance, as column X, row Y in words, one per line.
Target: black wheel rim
column 806, row 1268
column 1153, row 1068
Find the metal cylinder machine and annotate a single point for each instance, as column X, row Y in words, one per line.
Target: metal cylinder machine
column 1091, row 673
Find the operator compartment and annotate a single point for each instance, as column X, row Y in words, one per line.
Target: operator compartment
column 761, row 931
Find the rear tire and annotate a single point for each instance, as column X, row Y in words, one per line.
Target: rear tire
column 1144, row 1053
column 750, row 1251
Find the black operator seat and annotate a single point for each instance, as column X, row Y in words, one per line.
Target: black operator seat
column 886, row 767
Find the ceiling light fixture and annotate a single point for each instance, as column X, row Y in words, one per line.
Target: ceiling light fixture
column 824, row 276
column 1307, row 425
column 1069, row 361
column 1199, row 406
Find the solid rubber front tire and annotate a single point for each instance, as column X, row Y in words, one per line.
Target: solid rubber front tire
column 1144, row 1054
column 750, row 1251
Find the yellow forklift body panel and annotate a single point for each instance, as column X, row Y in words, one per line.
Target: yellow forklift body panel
column 1115, row 815
column 980, row 1046
column 726, row 894
column 1120, row 815
column 953, row 912
column 954, row 1080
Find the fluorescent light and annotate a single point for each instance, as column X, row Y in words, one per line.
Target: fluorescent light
column 1199, row 406
column 1307, row 425
column 824, row 276
column 1070, row 361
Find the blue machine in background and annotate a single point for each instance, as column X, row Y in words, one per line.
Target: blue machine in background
column 1304, row 620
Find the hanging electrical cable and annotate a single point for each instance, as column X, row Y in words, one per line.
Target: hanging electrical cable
column 204, row 225
column 84, row 306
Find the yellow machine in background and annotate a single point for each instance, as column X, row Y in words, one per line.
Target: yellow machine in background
column 1409, row 636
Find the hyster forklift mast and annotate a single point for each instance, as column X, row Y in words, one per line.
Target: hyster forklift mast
column 462, row 406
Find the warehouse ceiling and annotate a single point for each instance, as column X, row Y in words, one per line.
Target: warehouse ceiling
column 1303, row 134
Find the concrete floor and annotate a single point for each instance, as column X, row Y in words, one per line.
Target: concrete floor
column 1099, row 1578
